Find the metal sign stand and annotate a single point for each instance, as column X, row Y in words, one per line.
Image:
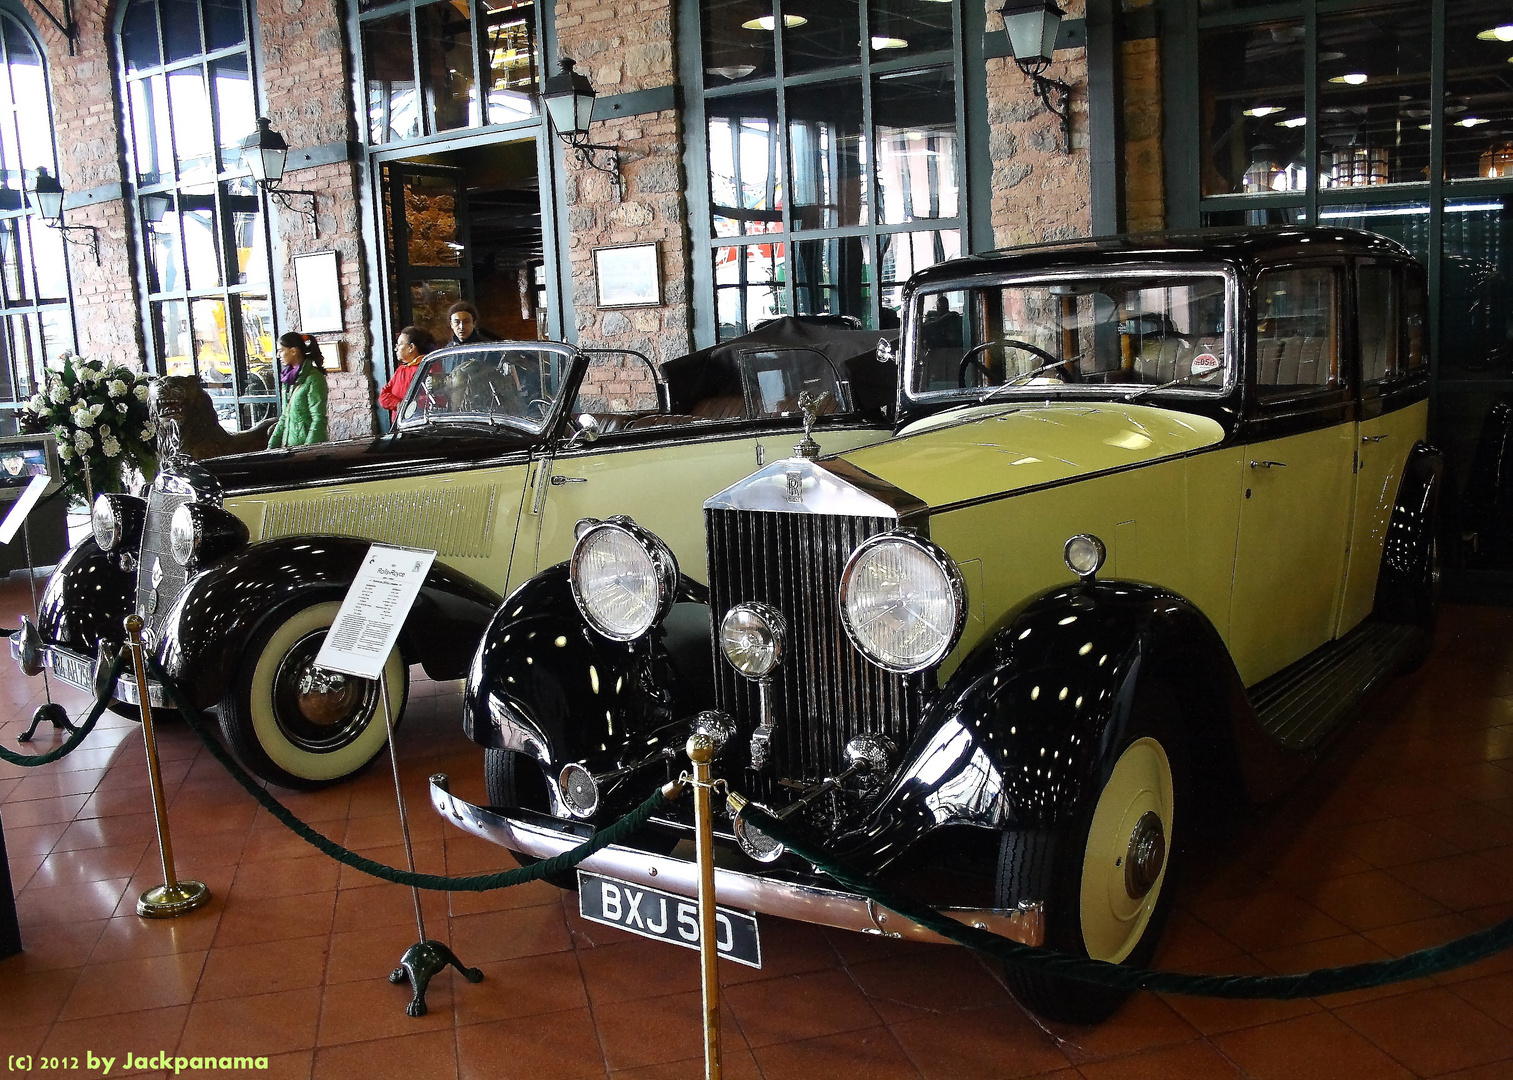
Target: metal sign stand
column 173, row 897
column 49, row 711
column 426, row 957
column 701, row 750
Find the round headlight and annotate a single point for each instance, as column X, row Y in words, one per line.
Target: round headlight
column 903, row 601
column 106, row 523
column 183, row 535
column 623, row 578
column 752, row 636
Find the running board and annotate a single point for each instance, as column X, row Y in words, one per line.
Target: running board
column 1300, row 705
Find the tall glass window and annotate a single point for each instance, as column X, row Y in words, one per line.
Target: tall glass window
column 204, row 239
column 36, row 324
column 433, row 66
column 834, row 155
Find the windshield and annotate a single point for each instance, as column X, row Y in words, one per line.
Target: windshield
column 1120, row 332
column 511, row 384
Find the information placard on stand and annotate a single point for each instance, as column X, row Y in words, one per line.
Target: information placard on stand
column 374, row 610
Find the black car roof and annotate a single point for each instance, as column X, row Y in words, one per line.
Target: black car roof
column 1238, row 245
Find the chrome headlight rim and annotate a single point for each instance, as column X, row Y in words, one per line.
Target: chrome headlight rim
column 663, row 569
column 126, row 515
column 955, row 584
column 770, row 619
column 105, row 523
column 184, row 535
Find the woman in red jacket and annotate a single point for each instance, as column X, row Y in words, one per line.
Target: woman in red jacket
column 410, row 349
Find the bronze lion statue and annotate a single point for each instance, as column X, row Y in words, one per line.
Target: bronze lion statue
column 188, row 426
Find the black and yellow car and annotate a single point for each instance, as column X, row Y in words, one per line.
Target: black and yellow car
column 1157, row 513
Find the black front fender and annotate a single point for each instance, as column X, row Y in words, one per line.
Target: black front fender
column 544, row 683
column 87, row 599
column 1026, row 731
column 222, row 606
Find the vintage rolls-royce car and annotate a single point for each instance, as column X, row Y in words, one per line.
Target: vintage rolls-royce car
column 239, row 563
column 1157, row 513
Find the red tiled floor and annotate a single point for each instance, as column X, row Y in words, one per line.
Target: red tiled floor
column 1401, row 839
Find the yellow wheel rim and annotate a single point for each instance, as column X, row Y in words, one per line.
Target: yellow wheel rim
column 1124, row 866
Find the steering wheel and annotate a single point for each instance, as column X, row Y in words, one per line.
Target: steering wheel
column 538, row 409
column 972, row 358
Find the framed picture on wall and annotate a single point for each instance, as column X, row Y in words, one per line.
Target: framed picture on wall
column 628, row 276
column 318, row 286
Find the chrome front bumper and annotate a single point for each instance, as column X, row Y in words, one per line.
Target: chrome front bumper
column 78, row 671
column 733, row 888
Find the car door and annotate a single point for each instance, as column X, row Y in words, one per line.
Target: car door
column 1390, row 318
column 656, row 466
column 1296, row 471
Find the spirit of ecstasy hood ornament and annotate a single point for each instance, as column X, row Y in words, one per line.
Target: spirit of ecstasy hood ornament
column 809, row 404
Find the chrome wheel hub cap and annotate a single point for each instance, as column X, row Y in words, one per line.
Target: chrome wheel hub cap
column 1145, row 857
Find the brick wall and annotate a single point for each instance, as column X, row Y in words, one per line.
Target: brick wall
column 307, row 79
column 1039, row 192
column 623, row 46
column 91, row 155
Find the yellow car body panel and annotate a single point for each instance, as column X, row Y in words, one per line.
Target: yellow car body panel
column 1028, row 446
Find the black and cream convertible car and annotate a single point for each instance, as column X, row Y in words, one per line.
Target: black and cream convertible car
column 239, row 563
column 1156, row 514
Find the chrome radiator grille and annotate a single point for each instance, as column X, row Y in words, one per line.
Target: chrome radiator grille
column 155, row 598
column 825, row 692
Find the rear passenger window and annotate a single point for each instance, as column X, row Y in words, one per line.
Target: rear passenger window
column 1381, row 323
column 1415, row 319
column 1297, row 331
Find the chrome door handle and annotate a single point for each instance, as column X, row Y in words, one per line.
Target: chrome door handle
column 1372, row 438
column 1253, row 465
column 558, row 480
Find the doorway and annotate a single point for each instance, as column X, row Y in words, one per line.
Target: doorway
column 466, row 225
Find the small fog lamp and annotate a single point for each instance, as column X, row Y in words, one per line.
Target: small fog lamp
column 106, row 524
column 580, row 791
column 752, row 637
column 1084, row 555
column 753, row 841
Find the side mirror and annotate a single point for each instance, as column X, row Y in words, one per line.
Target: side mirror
column 588, row 430
column 887, row 350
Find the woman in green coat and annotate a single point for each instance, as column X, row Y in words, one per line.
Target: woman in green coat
column 304, row 418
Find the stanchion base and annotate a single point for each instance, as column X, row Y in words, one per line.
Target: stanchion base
column 169, row 901
column 51, row 713
column 423, row 960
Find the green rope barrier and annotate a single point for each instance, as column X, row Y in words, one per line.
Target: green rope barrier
column 477, row 883
column 101, row 703
column 1325, row 981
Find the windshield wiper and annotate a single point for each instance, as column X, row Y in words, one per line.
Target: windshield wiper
column 1189, row 377
column 1021, row 377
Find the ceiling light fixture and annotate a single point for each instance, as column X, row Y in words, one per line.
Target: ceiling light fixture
column 1497, row 33
column 1354, row 78
column 1263, row 110
column 1293, row 122
column 769, row 22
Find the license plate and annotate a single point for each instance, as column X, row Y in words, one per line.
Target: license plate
column 655, row 914
column 77, row 673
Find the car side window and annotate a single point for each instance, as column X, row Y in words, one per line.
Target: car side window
column 1379, row 307
column 1297, row 331
column 618, row 389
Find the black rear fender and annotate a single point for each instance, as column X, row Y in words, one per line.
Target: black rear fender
column 222, row 607
column 1409, row 543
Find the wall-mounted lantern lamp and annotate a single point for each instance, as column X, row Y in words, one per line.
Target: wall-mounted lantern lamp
column 47, row 198
column 264, row 152
column 569, row 100
column 1032, row 26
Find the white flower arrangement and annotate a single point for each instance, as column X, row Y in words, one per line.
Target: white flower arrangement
column 98, row 413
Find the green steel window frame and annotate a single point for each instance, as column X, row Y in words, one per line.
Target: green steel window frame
column 702, row 240
column 249, row 401
column 21, row 317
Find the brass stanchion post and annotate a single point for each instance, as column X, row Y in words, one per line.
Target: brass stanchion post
column 701, row 751
column 173, row 897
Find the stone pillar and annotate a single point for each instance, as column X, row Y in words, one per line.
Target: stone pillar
column 624, row 46
column 91, row 157
column 1144, row 178
column 1040, row 192
column 307, row 79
